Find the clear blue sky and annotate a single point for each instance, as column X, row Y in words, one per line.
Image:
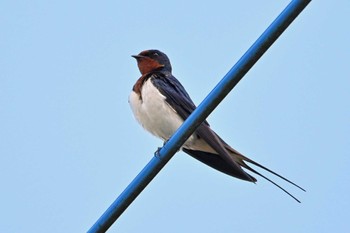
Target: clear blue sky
column 69, row 144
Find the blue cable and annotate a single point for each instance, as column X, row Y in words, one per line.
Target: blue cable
column 221, row 90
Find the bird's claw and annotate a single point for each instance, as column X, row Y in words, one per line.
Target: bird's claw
column 159, row 148
column 156, row 154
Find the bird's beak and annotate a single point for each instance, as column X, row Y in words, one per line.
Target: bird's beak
column 137, row 56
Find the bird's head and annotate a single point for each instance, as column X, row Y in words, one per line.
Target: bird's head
column 152, row 60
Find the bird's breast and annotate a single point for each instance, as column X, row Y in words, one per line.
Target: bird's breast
column 153, row 112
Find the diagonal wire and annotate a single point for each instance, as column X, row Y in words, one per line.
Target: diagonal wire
column 229, row 81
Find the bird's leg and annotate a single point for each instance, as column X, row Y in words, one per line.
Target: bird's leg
column 156, row 153
column 159, row 148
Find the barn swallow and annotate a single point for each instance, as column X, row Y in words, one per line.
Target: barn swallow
column 161, row 104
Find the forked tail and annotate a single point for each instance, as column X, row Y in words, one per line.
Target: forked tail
column 272, row 172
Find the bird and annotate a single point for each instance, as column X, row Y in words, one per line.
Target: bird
column 161, row 104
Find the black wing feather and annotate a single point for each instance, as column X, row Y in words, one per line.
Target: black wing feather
column 180, row 101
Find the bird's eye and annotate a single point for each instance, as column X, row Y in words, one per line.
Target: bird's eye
column 155, row 54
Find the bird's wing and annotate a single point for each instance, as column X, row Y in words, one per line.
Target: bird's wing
column 179, row 100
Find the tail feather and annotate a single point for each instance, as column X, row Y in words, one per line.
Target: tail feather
column 246, row 159
column 269, row 170
column 242, row 160
column 216, row 162
column 274, row 183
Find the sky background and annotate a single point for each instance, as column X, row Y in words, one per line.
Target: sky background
column 69, row 144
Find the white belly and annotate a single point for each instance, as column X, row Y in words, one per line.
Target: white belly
column 153, row 113
column 158, row 118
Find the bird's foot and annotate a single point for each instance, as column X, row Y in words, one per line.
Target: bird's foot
column 156, row 154
column 159, row 148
